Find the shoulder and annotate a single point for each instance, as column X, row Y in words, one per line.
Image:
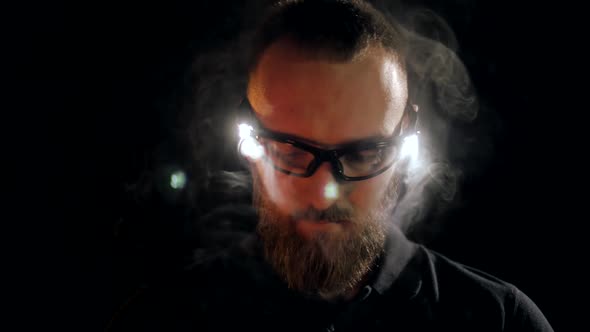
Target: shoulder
column 467, row 293
column 463, row 280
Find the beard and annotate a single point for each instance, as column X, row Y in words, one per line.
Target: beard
column 329, row 264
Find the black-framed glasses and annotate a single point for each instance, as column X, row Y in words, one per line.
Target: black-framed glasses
column 359, row 160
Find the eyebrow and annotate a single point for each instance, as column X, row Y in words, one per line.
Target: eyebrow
column 348, row 143
column 345, row 144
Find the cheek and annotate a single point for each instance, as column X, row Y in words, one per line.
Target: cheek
column 277, row 187
column 367, row 194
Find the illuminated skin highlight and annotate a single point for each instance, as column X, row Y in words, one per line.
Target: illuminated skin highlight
column 294, row 94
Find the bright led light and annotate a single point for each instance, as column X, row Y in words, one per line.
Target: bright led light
column 251, row 148
column 245, row 130
column 410, row 148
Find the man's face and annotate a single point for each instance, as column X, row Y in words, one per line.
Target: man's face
column 320, row 234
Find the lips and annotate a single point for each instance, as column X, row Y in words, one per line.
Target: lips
column 322, row 221
column 309, row 228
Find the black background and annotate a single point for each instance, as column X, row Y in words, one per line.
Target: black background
column 90, row 106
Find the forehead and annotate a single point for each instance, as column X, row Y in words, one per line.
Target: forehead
column 326, row 101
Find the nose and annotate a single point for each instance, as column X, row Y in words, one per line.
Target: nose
column 321, row 189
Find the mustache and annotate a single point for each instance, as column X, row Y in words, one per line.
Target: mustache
column 333, row 213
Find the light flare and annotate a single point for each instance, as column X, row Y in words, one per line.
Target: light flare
column 410, row 147
column 331, row 190
column 178, row 180
column 249, row 147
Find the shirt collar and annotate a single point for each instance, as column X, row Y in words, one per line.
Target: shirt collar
column 393, row 268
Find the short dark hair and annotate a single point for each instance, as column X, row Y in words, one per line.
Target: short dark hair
column 333, row 29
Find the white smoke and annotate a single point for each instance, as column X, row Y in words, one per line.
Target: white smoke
column 440, row 85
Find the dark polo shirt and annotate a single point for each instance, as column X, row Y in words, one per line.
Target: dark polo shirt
column 412, row 289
